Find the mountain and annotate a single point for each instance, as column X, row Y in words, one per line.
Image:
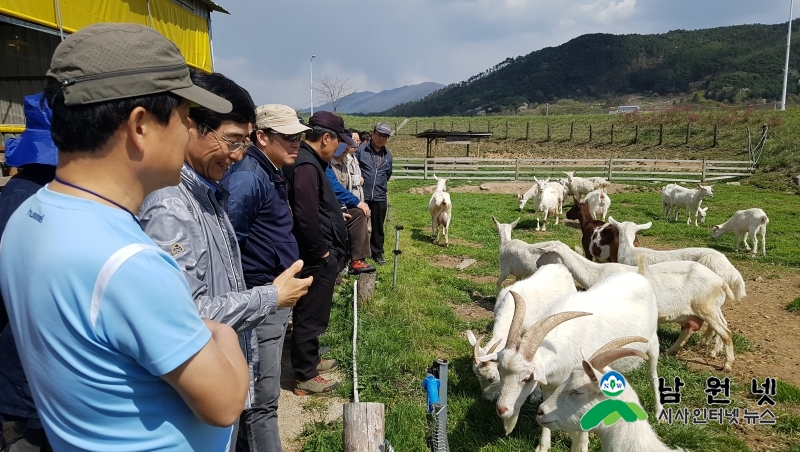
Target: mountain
column 369, row 102
column 731, row 63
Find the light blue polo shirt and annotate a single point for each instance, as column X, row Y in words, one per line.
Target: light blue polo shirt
column 99, row 312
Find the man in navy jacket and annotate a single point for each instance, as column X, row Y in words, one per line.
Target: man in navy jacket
column 376, row 169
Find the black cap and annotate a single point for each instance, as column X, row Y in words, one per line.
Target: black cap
column 332, row 122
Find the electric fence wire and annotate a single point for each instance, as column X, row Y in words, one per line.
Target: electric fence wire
column 355, row 336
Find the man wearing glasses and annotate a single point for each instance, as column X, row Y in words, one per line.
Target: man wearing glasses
column 188, row 222
column 321, row 237
column 376, row 168
column 258, row 207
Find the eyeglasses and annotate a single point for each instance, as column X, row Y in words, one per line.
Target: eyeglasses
column 233, row 148
column 380, row 135
column 290, row 138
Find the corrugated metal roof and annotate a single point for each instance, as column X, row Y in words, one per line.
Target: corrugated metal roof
column 213, row 6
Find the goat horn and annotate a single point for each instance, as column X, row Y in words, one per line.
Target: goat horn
column 476, row 348
column 515, row 332
column 617, row 343
column 608, row 357
column 536, row 333
column 493, row 348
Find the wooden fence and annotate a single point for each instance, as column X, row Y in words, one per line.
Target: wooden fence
column 617, row 170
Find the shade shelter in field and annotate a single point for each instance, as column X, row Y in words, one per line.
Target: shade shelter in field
column 452, row 137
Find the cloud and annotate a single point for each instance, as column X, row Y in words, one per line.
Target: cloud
column 608, row 11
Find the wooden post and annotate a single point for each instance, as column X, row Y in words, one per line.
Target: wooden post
column 434, row 125
column 469, row 128
column 548, row 132
column 489, row 126
column 610, row 163
column 571, row 128
column 516, row 170
column 366, row 287
column 506, row 130
column 452, row 125
column 527, row 130
column 363, row 426
column 416, row 127
column 395, row 128
column 590, row 133
column 636, row 136
column 425, row 169
column 660, row 134
column 716, row 127
column 688, row 124
column 703, row 172
column 612, row 133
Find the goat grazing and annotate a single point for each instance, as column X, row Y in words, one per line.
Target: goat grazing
column 548, row 351
column 579, row 186
column 599, row 202
column 517, row 258
column 687, row 293
column 711, row 258
column 581, row 391
column 600, row 240
column 441, row 210
column 743, row 222
column 690, row 199
column 540, row 292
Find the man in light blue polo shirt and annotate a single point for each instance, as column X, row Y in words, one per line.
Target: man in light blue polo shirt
column 114, row 349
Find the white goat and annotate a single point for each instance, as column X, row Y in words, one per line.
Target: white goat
column 545, row 358
column 441, row 210
column 547, row 201
column 599, row 202
column 690, row 199
column 579, row 186
column 581, row 391
column 666, row 200
column 687, row 293
column 711, row 258
column 558, row 187
column 743, row 222
column 517, row 258
column 701, row 214
column 540, row 291
column 531, row 193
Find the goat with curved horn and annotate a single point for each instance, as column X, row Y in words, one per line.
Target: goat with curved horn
column 535, row 335
column 515, row 332
column 617, row 343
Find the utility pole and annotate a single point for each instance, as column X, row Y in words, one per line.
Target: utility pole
column 311, row 70
column 786, row 67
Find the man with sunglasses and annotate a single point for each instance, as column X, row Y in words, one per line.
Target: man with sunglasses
column 258, row 207
column 321, row 237
column 376, row 168
column 188, row 222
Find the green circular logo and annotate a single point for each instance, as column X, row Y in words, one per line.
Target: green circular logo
column 612, row 384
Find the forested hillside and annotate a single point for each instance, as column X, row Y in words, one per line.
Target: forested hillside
column 730, row 64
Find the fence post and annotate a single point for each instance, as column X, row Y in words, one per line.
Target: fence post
column 516, row 170
column 489, row 126
column 688, row 124
column 506, row 130
column 452, row 125
column 425, row 170
column 363, row 426
column 612, row 133
column 703, row 173
column 660, row 134
column 416, row 127
column 610, row 162
column 571, row 127
column 548, row 132
column 469, row 126
column 527, row 130
column 395, row 128
column 715, row 135
column 636, row 136
column 590, row 133
column 434, row 125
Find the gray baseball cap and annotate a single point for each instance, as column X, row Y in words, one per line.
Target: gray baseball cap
column 112, row 61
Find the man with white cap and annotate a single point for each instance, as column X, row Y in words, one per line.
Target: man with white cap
column 258, row 207
column 114, row 350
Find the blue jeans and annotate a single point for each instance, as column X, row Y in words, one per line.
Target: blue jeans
column 260, row 422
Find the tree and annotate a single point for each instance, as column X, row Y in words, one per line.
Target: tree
column 334, row 88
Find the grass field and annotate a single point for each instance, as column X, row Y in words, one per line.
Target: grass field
column 405, row 328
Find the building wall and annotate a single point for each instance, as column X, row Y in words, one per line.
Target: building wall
column 23, row 69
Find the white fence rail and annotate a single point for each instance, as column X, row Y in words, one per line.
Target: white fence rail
column 612, row 169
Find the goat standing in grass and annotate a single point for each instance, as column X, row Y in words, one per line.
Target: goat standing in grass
column 547, row 202
column 581, row 392
column 743, row 222
column 600, row 240
column 580, row 186
column 599, row 202
column 441, row 210
column 690, row 199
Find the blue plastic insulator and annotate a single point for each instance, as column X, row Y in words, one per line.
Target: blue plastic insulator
column 431, row 386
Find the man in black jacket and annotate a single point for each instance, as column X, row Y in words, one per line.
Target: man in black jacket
column 321, row 237
column 376, row 169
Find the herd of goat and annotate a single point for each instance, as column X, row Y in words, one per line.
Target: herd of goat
column 543, row 325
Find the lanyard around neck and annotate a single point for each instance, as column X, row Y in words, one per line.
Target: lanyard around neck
column 61, row 181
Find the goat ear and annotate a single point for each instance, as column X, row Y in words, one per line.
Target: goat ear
column 471, row 338
column 641, row 227
column 494, row 220
column 590, row 371
column 515, row 222
column 613, row 221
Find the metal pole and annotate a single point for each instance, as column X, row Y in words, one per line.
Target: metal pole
column 396, row 252
column 311, row 71
column 58, row 18
column 786, row 66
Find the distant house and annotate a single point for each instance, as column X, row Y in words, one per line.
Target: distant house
column 626, row 109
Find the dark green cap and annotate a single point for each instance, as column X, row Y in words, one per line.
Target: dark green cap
column 111, row 61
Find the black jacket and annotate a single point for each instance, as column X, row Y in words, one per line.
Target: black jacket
column 376, row 178
column 318, row 223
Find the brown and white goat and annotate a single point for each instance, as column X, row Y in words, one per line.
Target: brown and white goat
column 600, row 239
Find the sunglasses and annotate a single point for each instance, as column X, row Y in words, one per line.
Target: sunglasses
column 290, row 138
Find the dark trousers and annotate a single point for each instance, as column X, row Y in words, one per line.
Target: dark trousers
column 311, row 316
column 357, row 234
column 377, row 217
column 26, row 439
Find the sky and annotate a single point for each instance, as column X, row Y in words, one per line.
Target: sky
column 266, row 45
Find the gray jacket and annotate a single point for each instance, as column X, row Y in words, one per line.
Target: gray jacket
column 188, row 222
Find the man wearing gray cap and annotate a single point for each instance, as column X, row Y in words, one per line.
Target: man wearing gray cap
column 114, row 349
column 376, row 169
